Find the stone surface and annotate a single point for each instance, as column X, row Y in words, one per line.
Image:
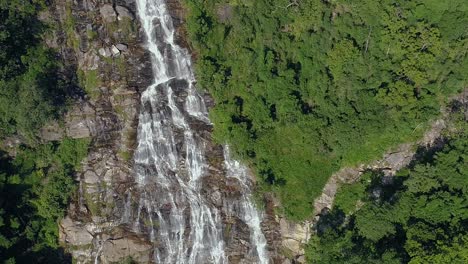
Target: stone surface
column 108, row 115
column 105, row 52
column 121, row 46
column 90, row 177
column 224, row 12
column 294, row 236
column 52, row 132
column 116, row 248
column 123, row 12
column 115, row 51
column 108, row 13
column 72, row 233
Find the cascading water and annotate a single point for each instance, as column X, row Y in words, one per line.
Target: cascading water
column 245, row 205
column 170, row 160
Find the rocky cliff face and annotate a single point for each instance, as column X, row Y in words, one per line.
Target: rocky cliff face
column 102, row 46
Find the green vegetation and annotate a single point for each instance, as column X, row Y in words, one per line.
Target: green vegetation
column 419, row 217
column 69, row 24
column 303, row 88
column 36, row 181
column 36, row 187
column 31, row 93
column 90, row 81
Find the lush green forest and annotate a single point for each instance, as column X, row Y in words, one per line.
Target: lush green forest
column 36, row 181
column 421, row 216
column 303, row 88
column 36, row 187
column 31, row 91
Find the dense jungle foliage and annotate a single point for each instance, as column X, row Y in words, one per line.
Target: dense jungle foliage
column 36, row 182
column 303, row 88
column 419, row 216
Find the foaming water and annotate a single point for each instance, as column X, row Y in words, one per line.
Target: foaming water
column 170, row 160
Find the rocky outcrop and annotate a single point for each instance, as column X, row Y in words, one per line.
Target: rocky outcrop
column 390, row 163
column 101, row 47
column 294, row 236
column 394, row 160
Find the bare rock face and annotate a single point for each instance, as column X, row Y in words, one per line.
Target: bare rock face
column 108, row 13
column 73, row 233
column 123, row 13
column 104, row 52
column 295, row 236
column 118, row 246
column 107, row 113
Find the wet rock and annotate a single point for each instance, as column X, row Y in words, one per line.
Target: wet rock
column 123, row 12
column 108, row 13
column 216, row 198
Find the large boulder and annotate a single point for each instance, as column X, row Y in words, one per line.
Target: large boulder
column 118, row 249
column 74, row 234
column 123, row 13
column 108, row 13
column 295, row 236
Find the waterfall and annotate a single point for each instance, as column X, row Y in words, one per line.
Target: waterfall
column 170, row 161
column 246, row 208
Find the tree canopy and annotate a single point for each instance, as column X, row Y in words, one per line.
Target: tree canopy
column 420, row 217
column 31, row 92
column 36, row 181
column 303, row 88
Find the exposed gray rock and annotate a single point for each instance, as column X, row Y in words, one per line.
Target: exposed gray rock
column 115, row 51
column 108, row 13
column 105, row 52
column 74, row 234
column 295, row 236
column 77, row 127
column 89, row 61
column 216, row 198
column 51, row 132
column 224, row 12
column 122, row 47
column 108, row 115
column 116, row 249
column 123, row 13
column 90, row 177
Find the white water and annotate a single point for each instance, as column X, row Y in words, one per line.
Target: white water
column 170, row 160
column 246, row 207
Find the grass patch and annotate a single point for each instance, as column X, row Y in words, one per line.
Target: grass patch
column 90, row 82
column 69, row 24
